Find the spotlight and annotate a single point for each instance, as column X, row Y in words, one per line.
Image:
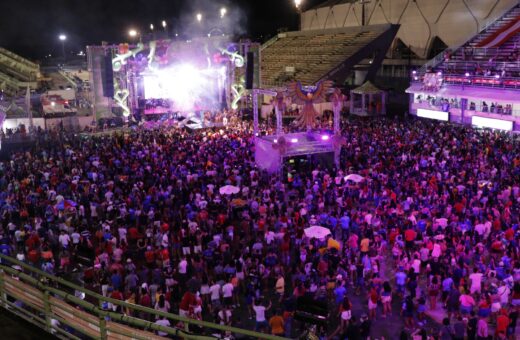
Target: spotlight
column 325, row 137
column 414, row 72
column 467, row 74
column 275, row 141
column 294, row 140
column 439, row 73
column 497, row 76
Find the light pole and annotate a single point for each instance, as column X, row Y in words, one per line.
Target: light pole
column 298, row 4
column 63, row 38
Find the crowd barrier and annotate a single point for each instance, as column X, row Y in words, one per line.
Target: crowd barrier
column 52, row 304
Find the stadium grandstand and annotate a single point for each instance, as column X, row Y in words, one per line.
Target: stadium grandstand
column 312, row 55
column 427, row 27
column 16, row 73
column 477, row 83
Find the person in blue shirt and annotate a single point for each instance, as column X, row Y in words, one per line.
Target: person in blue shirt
column 345, row 225
column 340, row 292
column 116, row 280
column 400, row 280
column 447, row 283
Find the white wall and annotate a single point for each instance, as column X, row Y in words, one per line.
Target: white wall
column 453, row 21
column 68, row 122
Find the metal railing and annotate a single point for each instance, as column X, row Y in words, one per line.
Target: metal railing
column 269, row 42
column 476, row 81
column 478, row 107
column 50, row 303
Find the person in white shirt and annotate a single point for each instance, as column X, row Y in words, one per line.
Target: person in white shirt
column 476, row 281
column 261, row 322
column 183, row 266
column 214, row 291
column 162, row 322
column 64, row 239
column 75, row 238
column 227, row 293
column 225, row 316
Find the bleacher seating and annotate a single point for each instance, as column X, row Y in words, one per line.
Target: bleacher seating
column 312, row 53
column 503, row 59
column 16, row 73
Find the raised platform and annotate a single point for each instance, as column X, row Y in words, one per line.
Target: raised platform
column 272, row 149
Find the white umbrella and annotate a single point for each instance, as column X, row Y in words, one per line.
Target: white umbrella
column 229, row 190
column 316, row 231
column 354, row 178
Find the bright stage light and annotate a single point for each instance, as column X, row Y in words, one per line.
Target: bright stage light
column 164, row 24
column 132, row 33
column 62, row 37
column 297, row 3
column 199, row 17
column 325, row 137
column 185, row 84
column 151, row 27
column 294, row 140
column 223, row 12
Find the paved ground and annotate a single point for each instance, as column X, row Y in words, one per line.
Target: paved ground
column 13, row 327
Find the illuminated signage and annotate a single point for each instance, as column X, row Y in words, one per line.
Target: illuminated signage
column 439, row 115
column 498, row 124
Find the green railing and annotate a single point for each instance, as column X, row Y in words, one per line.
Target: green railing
column 49, row 302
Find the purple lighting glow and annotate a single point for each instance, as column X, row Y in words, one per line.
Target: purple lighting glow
column 414, row 72
column 467, row 74
column 325, row 137
column 439, row 73
column 497, row 76
column 294, row 140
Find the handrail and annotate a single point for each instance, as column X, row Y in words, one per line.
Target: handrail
column 69, row 79
column 440, row 57
column 124, row 305
column 269, row 42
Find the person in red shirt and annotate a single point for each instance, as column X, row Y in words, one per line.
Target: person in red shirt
column 149, row 256
column 502, row 324
column 409, row 236
column 188, row 300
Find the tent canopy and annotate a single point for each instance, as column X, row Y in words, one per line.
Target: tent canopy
column 367, row 88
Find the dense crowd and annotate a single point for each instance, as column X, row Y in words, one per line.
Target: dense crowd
column 432, row 227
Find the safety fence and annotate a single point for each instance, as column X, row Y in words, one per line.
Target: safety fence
column 54, row 305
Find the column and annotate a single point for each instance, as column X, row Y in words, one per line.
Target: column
column 383, row 103
column 278, row 111
column 370, row 101
column 255, row 112
column 351, row 102
column 337, row 114
column 363, row 107
column 463, row 106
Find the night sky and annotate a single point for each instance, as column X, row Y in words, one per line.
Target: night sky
column 31, row 27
